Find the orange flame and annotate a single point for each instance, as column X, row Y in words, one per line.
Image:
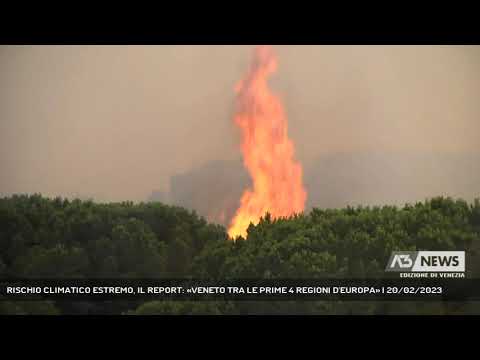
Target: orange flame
column 268, row 153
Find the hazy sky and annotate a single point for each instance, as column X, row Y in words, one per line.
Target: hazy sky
column 116, row 122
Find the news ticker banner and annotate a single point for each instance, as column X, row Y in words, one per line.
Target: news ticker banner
column 424, row 289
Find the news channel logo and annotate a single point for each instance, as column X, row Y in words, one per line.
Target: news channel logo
column 444, row 264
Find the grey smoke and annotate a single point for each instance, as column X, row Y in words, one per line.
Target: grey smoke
column 336, row 180
column 371, row 124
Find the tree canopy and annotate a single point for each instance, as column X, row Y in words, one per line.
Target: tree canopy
column 60, row 238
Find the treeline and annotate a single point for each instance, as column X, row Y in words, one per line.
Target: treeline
column 59, row 238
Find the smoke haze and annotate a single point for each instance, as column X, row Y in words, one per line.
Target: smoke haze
column 371, row 124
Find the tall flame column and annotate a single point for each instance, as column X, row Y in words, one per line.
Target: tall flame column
column 268, row 153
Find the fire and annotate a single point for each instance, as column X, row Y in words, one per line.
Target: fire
column 268, row 153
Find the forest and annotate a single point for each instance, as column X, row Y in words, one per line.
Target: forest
column 44, row 237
